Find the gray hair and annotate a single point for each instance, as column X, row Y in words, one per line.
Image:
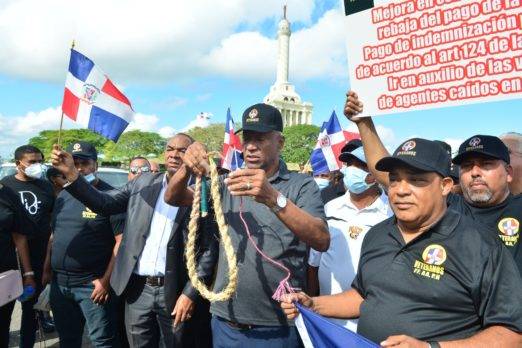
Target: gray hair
column 517, row 137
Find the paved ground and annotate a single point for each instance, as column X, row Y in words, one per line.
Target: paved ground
column 49, row 340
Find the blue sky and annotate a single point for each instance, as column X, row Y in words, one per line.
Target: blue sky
column 180, row 69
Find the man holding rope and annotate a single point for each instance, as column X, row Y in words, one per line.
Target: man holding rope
column 281, row 212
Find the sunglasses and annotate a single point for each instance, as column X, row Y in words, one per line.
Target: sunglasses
column 136, row 170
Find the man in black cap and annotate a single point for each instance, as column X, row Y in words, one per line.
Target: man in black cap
column 485, row 174
column 336, row 187
column 429, row 276
column 81, row 258
column 284, row 214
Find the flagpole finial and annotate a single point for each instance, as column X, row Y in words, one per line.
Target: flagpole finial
column 73, row 43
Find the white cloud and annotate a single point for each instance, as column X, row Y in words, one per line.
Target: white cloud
column 454, row 143
column 315, row 52
column 202, row 120
column 145, row 123
column 129, row 39
column 167, row 132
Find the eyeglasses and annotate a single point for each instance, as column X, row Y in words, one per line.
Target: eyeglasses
column 136, row 170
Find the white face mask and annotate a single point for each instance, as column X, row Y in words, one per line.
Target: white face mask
column 35, row 170
column 322, row 183
column 90, row 177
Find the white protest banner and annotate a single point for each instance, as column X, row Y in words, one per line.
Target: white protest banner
column 417, row 54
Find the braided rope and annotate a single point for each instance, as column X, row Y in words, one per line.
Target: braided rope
column 190, row 252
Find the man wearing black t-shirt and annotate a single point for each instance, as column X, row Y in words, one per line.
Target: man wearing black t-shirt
column 36, row 195
column 82, row 259
column 14, row 228
column 485, row 173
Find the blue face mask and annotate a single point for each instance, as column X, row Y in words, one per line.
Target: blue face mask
column 90, row 177
column 355, row 180
column 322, row 183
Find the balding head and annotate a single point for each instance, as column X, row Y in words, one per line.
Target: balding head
column 513, row 141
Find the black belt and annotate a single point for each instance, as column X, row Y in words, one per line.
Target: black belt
column 152, row 281
column 239, row 326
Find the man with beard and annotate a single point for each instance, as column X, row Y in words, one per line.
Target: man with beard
column 485, row 175
column 150, row 268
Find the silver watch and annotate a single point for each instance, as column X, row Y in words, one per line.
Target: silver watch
column 280, row 203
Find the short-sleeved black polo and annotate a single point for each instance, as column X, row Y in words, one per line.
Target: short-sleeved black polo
column 82, row 240
column 504, row 220
column 257, row 278
column 448, row 283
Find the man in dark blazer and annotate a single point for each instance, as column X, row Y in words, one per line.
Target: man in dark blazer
column 150, row 269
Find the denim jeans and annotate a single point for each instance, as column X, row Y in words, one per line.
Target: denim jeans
column 226, row 336
column 73, row 308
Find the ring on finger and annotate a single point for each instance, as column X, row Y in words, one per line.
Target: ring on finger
column 248, row 185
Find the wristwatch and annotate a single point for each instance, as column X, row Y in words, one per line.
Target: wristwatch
column 434, row 344
column 280, row 203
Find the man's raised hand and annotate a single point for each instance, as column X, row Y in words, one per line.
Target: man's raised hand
column 64, row 162
column 353, row 106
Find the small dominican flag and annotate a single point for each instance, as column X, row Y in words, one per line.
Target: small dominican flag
column 232, row 157
column 325, row 156
column 318, row 332
column 92, row 100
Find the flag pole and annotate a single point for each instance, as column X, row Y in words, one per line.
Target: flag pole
column 61, row 119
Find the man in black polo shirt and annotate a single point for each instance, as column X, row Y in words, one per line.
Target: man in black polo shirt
column 82, row 259
column 37, row 196
column 429, row 273
column 284, row 213
column 485, row 174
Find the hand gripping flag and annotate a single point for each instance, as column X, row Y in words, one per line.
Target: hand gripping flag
column 318, row 332
column 325, row 156
column 232, row 158
column 92, row 100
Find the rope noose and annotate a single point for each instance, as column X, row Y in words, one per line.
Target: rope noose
column 190, row 249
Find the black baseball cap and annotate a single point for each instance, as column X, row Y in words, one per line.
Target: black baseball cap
column 262, row 118
column 486, row 145
column 83, row 149
column 346, row 151
column 422, row 154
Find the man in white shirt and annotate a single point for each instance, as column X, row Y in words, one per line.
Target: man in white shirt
column 349, row 219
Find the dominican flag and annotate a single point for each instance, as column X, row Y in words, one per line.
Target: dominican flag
column 92, row 100
column 318, row 332
column 325, row 156
column 232, row 158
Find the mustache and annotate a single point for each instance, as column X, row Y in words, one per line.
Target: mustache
column 478, row 181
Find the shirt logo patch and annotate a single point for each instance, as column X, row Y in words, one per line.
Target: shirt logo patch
column 509, row 228
column 431, row 265
column 88, row 214
column 354, row 231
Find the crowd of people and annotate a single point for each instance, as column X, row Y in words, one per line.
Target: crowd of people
column 410, row 249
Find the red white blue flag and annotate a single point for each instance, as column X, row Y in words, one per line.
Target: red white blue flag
column 325, row 156
column 92, row 100
column 232, row 156
column 318, row 332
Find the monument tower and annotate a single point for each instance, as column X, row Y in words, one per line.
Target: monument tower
column 282, row 94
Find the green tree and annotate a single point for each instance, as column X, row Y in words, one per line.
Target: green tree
column 212, row 136
column 134, row 143
column 299, row 142
column 45, row 139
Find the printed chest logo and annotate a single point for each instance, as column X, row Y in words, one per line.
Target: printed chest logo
column 431, row 265
column 30, row 202
column 88, row 214
column 509, row 228
column 354, row 231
